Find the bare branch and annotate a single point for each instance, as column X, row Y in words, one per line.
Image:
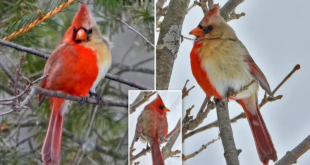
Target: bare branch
column 297, row 67
column 133, row 68
column 291, row 156
column 203, row 147
column 131, row 28
column 203, row 5
column 159, row 9
column 191, row 124
column 138, row 102
column 185, row 91
column 173, row 135
column 229, row 7
column 230, row 152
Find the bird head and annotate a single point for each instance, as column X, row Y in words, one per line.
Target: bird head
column 83, row 27
column 212, row 26
column 158, row 105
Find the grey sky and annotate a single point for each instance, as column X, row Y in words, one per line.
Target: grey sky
column 276, row 33
column 173, row 101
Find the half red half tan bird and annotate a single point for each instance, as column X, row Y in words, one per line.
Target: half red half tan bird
column 78, row 63
column 221, row 64
column 152, row 126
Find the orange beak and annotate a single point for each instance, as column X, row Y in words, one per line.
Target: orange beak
column 166, row 110
column 81, row 35
column 197, row 32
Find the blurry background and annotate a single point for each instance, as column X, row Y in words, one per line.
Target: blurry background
column 276, row 33
column 173, row 101
column 105, row 126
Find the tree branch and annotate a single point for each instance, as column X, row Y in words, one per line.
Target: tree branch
column 173, row 135
column 229, row 7
column 170, row 30
column 203, row 147
column 143, row 97
column 292, row 156
column 230, row 152
column 159, row 9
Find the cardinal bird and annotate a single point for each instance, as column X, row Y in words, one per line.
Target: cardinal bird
column 78, row 63
column 152, row 126
column 220, row 64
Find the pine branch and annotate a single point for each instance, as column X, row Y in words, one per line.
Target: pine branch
column 40, row 18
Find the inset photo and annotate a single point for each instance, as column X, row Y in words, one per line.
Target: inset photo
column 155, row 127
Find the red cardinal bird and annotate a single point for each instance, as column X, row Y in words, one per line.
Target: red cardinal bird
column 152, row 126
column 221, row 64
column 75, row 67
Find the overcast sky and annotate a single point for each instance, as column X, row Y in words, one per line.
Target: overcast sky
column 276, row 33
column 173, row 101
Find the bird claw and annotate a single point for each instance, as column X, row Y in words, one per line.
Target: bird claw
column 219, row 103
column 95, row 95
column 231, row 93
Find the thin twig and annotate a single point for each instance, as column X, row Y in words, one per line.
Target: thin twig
column 131, row 28
column 185, row 91
column 203, row 147
column 146, row 96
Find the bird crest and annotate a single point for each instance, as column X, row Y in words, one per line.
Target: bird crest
column 83, row 18
column 211, row 16
column 158, row 105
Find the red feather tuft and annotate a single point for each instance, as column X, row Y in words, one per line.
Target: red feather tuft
column 82, row 18
column 214, row 11
column 156, row 103
column 211, row 15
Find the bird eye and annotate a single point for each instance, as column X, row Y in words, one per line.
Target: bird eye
column 161, row 107
column 208, row 29
column 89, row 31
column 74, row 31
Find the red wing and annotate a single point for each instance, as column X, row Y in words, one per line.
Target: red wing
column 71, row 69
column 138, row 129
column 258, row 74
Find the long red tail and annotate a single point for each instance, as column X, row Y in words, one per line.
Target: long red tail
column 156, row 153
column 263, row 142
column 52, row 143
